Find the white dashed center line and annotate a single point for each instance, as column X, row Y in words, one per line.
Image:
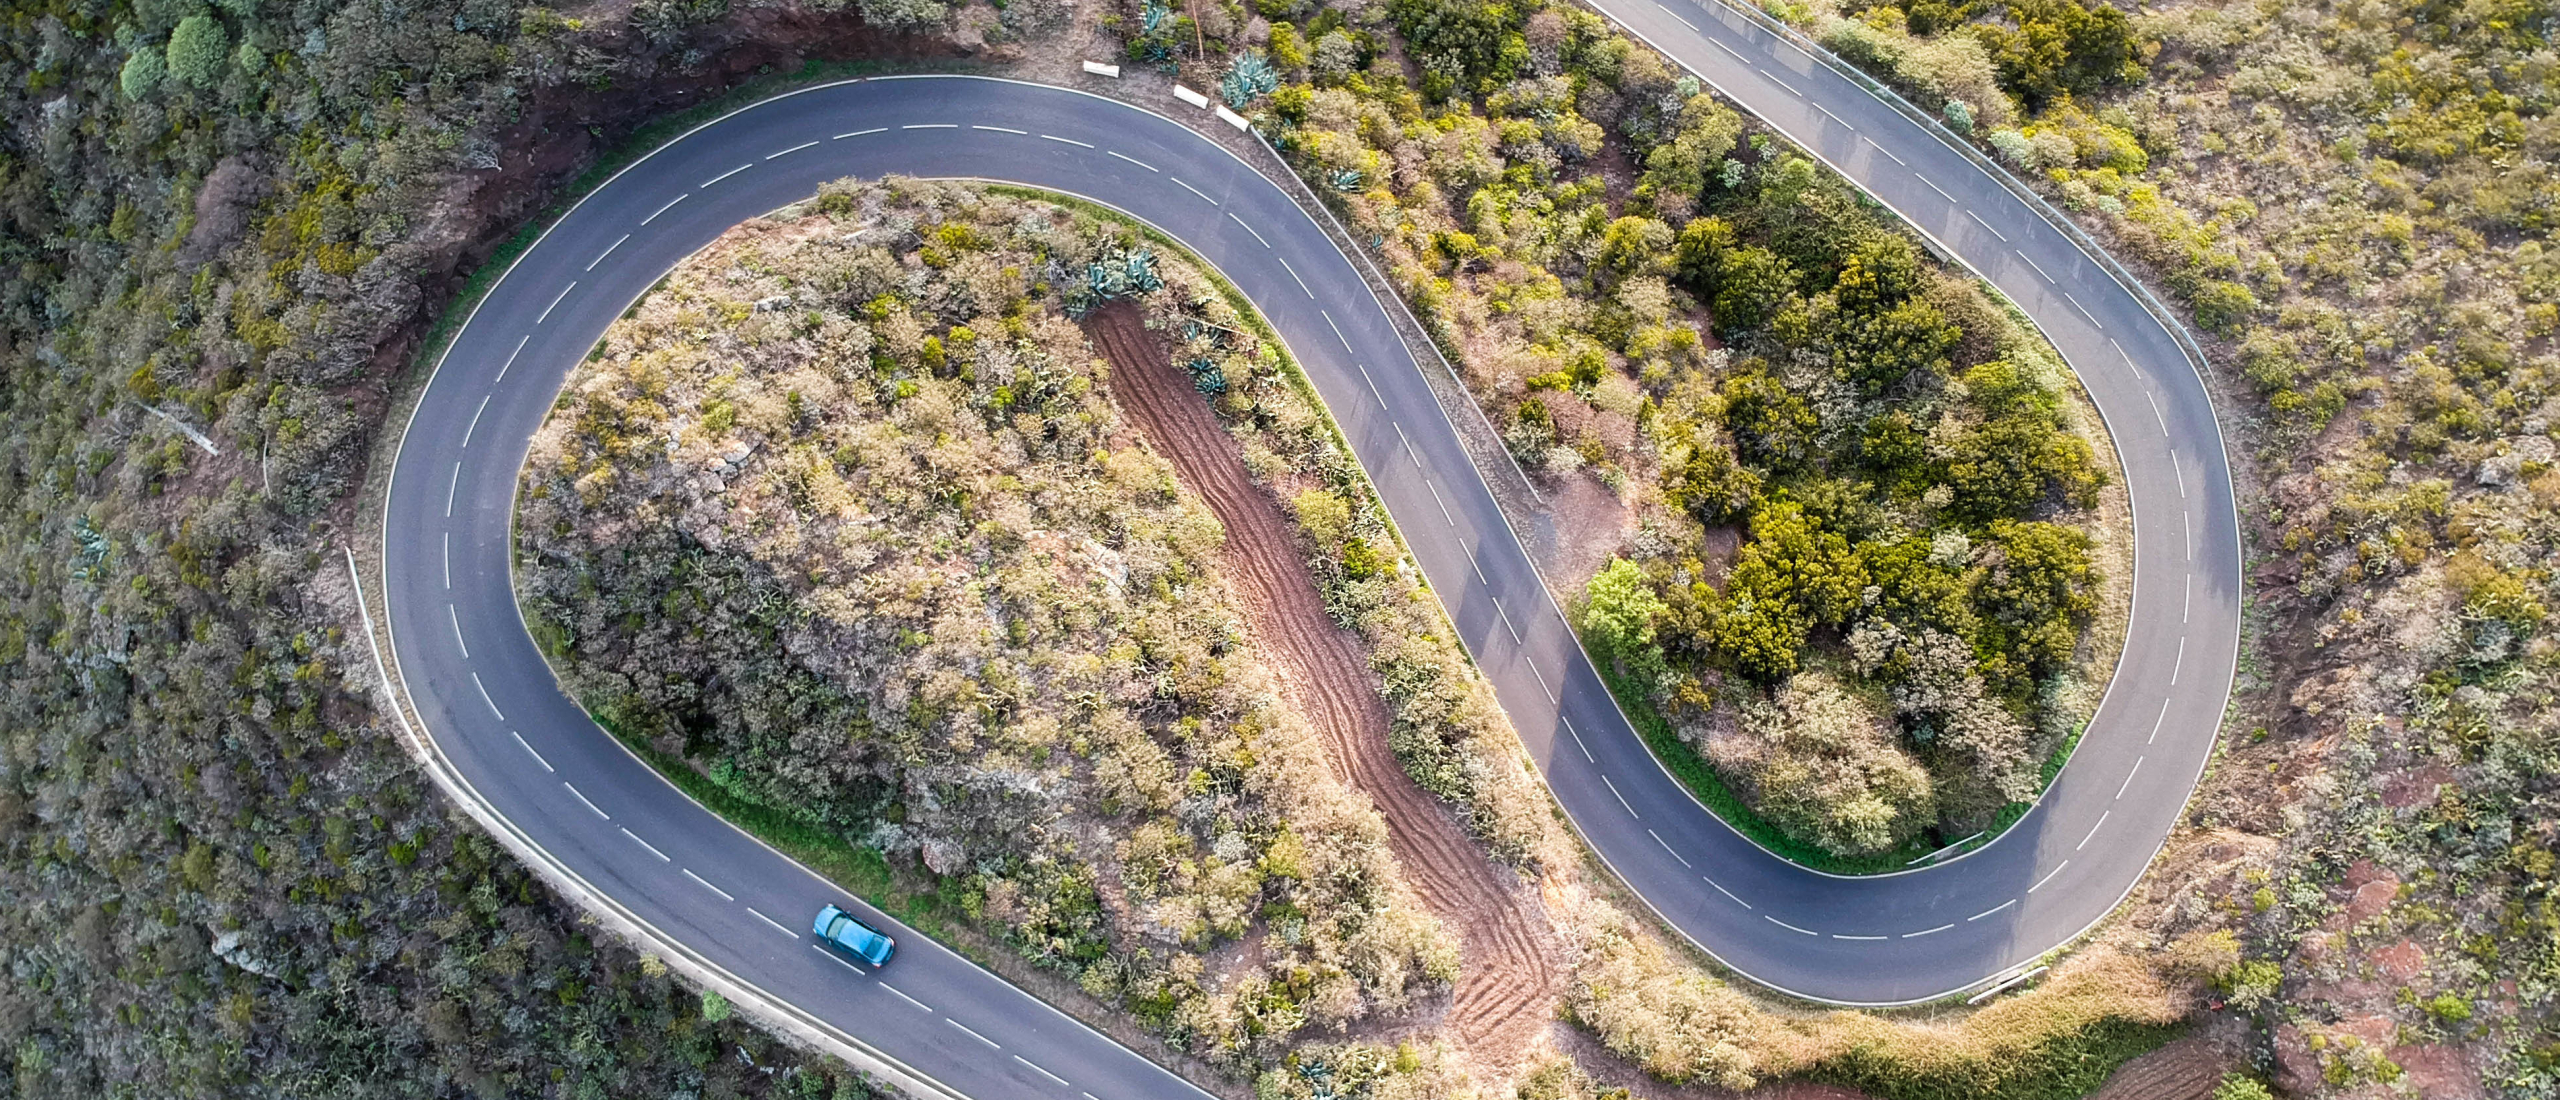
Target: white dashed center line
column 837, row 959
column 1788, row 927
column 724, row 175
column 1622, row 800
column 2048, row 876
column 859, row 133
column 2093, row 829
column 475, row 421
column 1728, row 893
column 964, row 1029
column 608, row 250
column 2135, row 770
column 1001, row 130
column 584, row 801
column 555, row 302
column 528, row 748
column 1035, row 1068
column 1293, row 275
column 777, row 925
column 1977, row 220
column 1881, row 149
column 1534, row 674
column 456, row 619
column 1337, row 330
column 1852, row 129
column 2178, row 470
column 1728, row 49
column 2181, row 663
column 1204, row 196
column 1426, row 483
column 484, row 697
column 698, row 880
column 1132, row 160
column 1373, row 385
column 1666, row 846
column 894, row 991
column 2085, row 313
column 448, row 561
column 1070, row 141
column 1838, row 936
column 1773, row 77
column 2031, row 262
column 2155, row 723
column 1926, row 932
column 931, row 126
column 789, row 151
column 1471, row 562
column 1577, row 740
column 1993, row 909
column 2155, row 412
column 511, row 356
column 653, row 849
column 1249, row 229
column 2189, row 605
column 653, row 215
column 1408, row 446
column 1942, row 193
column 452, row 485
column 1506, row 620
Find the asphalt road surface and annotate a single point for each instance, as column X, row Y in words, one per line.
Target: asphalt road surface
column 499, row 720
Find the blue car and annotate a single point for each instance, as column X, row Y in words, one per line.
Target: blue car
column 852, row 937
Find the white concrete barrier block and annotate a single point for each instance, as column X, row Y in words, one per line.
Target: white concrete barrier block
column 1191, row 97
column 1233, row 119
column 1099, row 69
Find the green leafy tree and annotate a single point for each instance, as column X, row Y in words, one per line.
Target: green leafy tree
column 1618, row 616
column 1771, row 426
column 197, row 50
column 142, row 73
column 1884, row 349
column 1751, row 283
column 2038, row 595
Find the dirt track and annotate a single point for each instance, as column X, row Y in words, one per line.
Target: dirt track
column 1509, row 978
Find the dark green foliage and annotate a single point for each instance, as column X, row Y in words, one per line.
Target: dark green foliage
column 197, row 50
column 2049, row 48
column 1465, row 46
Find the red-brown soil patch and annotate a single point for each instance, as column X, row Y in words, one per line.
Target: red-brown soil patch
column 1509, row 978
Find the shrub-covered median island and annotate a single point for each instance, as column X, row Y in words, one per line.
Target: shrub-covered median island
column 1859, row 564
column 841, row 524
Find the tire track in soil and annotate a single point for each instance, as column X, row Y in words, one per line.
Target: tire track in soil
column 1509, row 979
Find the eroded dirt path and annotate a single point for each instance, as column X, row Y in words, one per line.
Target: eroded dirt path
column 1510, row 977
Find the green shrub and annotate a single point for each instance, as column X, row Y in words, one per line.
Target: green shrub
column 198, row 48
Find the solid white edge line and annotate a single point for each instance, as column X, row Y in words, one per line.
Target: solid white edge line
column 1788, row 927
column 555, row 302
column 1993, row 909
column 635, row 838
column 777, row 925
column 2135, row 770
column 706, row 884
column 1926, row 931
column 724, row 175
column 537, row 757
column 1035, row 1068
column 902, row 995
column 608, row 250
column 991, row 1044
column 1622, row 799
column 587, row 802
column 475, row 420
column 484, row 697
column 1069, row 141
column 789, row 151
column 456, row 618
column 1133, row 160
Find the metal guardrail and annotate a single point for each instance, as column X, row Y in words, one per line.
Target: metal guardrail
column 2080, row 238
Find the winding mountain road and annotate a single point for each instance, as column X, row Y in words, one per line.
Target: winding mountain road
column 495, row 718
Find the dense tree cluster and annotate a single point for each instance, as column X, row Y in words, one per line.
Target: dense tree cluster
column 1741, row 345
column 841, row 516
